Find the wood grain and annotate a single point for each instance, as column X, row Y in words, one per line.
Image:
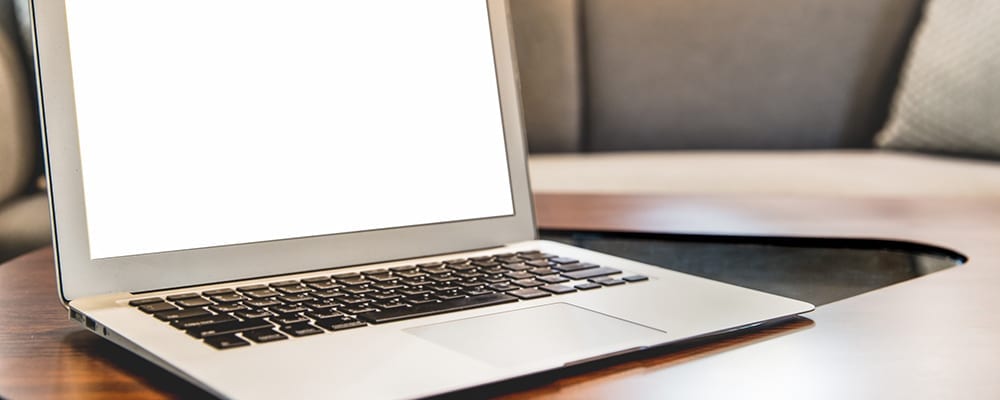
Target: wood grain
column 930, row 337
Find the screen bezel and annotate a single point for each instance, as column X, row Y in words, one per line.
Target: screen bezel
column 81, row 276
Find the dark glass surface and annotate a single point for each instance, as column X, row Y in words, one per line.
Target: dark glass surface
column 819, row 271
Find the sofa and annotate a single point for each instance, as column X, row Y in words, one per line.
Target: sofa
column 24, row 221
column 728, row 97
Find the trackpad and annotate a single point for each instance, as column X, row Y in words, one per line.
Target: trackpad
column 551, row 333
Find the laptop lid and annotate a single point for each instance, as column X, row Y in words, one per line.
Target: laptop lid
column 192, row 142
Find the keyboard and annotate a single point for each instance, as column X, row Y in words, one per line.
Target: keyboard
column 263, row 313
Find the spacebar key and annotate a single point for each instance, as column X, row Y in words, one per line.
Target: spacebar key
column 421, row 310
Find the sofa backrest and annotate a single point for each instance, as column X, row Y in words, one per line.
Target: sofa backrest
column 601, row 75
column 18, row 133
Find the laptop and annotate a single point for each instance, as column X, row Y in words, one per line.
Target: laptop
column 304, row 198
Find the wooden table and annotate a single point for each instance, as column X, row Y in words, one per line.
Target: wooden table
column 933, row 337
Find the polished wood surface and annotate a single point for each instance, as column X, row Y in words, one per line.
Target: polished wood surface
column 931, row 337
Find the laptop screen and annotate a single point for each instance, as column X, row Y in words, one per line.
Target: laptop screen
column 212, row 123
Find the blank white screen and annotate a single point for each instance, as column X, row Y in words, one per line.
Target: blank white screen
column 216, row 122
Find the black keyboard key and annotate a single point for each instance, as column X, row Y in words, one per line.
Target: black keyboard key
column 390, row 305
column 421, row 300
column 457, row 261
column 357, row 291
column 462, row 267
column 284, row 283
column 413, row 292
column 543, row 271
column 528, row 294
column 552, row 279
column 558, row 289
column 385, row 296
column 486, row 264
column 228, row 308
column 503, row 287
column 323, row 314
column 411, row 274
column 608, row 281
column 538, row 263
column 261, row 294
column 142, row 302
column 182, row 296
column 477, row 292
column 587, row 286
column 403, row 268
column 528, row 283
column 288, row 309
column 354, row 301
column 290, row 319
column 493, row 270
column 563, row 260
column 340, row 323
column 442, row 288
column 261, row 303
column 217, row 292
column 519, row 275
column 574, row 267
column 347, row 275
column 225, row 328
column 226, row 342
column 178, row 314
column 227, row 298
column 591, row 273
column 301, row 330
column 156, row 307
column 380, row 271
column 358, row 310
column 445, row 278
column 264, row 335
column 383, row 278
column 328, row 294
column 321, row 305
column 436, row 270
column 421, row 310
column 518, row 267
column 495, row 279
column 297, row 289
column 194, row 322
column 316, row 279
column 359, row 281
column 193, row 302
column 635, row 278
column 254, row 314
column 387, row 286
column 251, row 288
column 450, row 295
column 431, row 265
column 295, row 298
column 326, row 285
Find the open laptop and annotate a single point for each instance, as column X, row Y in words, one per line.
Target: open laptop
column 302, row 198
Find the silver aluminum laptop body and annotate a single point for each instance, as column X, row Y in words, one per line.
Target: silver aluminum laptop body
column 409, row 358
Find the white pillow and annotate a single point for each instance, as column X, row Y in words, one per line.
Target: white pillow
column 948, row 99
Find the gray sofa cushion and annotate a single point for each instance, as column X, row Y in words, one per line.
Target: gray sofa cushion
column 667, row 74
column 548, row 51
column 949, row 97
column 769, row 74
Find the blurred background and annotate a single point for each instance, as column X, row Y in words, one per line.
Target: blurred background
column 806, row 98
